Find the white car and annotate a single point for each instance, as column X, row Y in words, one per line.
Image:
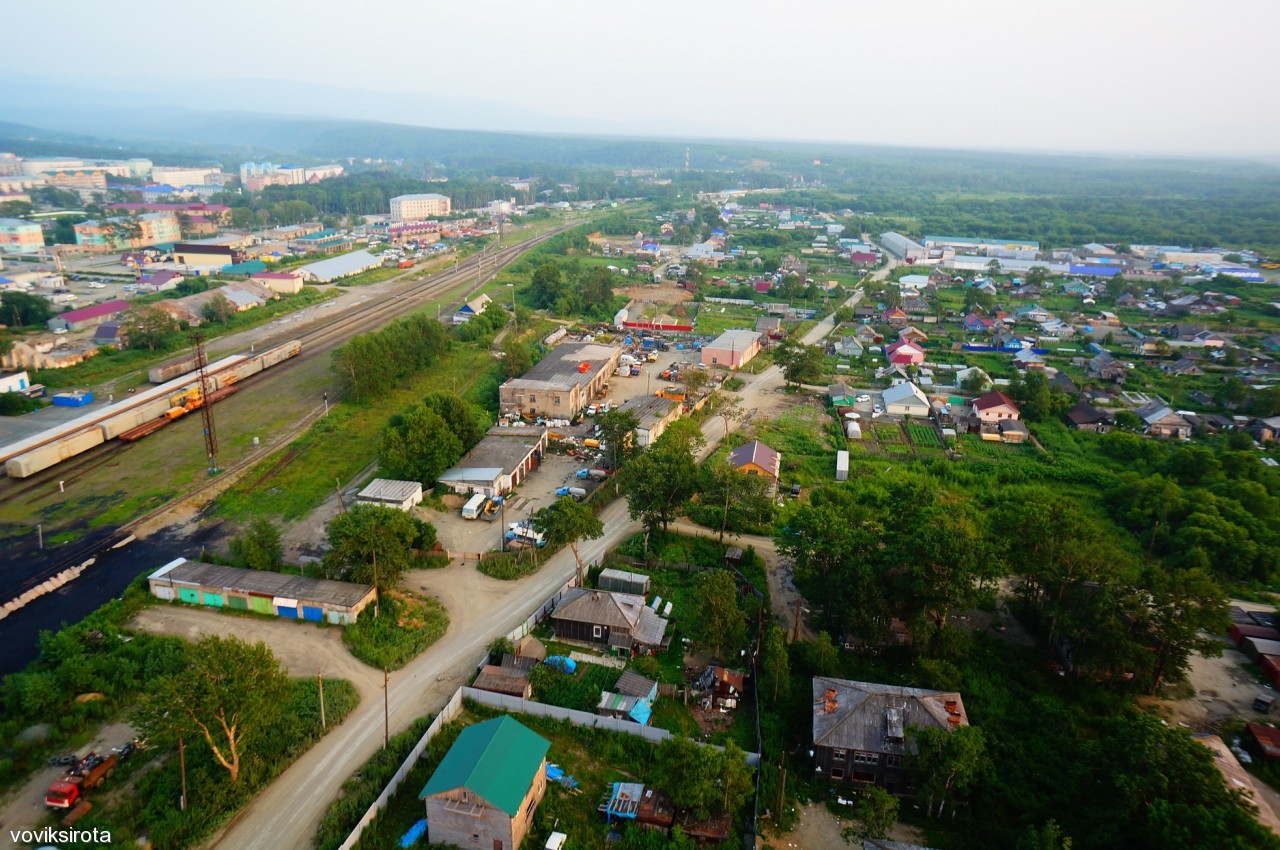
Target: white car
column 97, row 286
column 60, row 330
column 863, row 398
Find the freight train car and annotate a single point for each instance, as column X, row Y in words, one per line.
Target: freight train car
column 176, row 368
column 41, row 451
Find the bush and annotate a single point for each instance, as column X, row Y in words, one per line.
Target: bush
column 406, row 625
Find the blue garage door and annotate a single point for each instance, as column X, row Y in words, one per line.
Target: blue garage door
column 314, row 614
column 286, row 611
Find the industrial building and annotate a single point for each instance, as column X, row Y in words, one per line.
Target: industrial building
column 733, row 349
column 87, row 317
column 902, row 247
column 979, row 245
column 390, row 493
column 653, row 414
column 562, row 383
column 499, row 462
column 288, row 596
column 419, row 207
column 341, row 266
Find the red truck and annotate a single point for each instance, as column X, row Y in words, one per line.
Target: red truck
column 89, row 772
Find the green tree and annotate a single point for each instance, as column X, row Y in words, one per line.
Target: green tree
column 660, row 480
column 716, row 622
column 568, row 522
column 824, row 658
column 994, row 267
column 151, row 328
column 227, row 694
column 18, row 309
column 468, row 421
column 776, row 664
column 547, row 286
column 702, row 778
column 517, row 359
column 1186, row 607
column 376, row 545
column 218, row 309
column 877, row 810
column 418, row 445
column 745, row 502
column 618, row 436
column 950, row 763
column 1037, row 275
column 259, row 547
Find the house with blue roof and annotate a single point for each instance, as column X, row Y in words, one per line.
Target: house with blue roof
column 487, row 787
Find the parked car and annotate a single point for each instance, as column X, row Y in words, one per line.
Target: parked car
column 863, row 397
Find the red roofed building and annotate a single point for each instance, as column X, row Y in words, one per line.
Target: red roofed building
column 863, row 258
column 87, row 317
column 896, row 316
column 904, row 353
column 281, row 283
column 1268, row 738
column 755, row 458
column 995, row 406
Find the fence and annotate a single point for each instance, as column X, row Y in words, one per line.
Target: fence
column 578, row 718
column 451, row 710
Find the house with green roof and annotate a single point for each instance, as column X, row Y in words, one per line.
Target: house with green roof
column 487, row 787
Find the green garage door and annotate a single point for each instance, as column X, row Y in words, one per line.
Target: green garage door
column 261, row 604
column 238, row 603
column 189, row 594
column 213, row 599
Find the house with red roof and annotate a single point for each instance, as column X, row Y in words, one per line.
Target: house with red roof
column 755, row 458
column 87, row 317
column 896, row 316
column 975, row 323
column 904, row 353
column 994, row 407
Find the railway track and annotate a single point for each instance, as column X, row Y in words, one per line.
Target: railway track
column 317, row 340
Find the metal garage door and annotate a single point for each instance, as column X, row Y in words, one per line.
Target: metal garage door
column 316, row 615
column 260, row 604
column 189, row 594
column 285, row 606
column 239, row 603
column 213, row 599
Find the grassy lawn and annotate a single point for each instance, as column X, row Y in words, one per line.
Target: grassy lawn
column 406, row 625
column 298, row 478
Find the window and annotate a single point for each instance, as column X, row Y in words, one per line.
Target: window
column 893, row 761
column 557, row 399
column 533, row 399
column 866, row 758
column 837, row 773
column 597, row 631
column 838, row 753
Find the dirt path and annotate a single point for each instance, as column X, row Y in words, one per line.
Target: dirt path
column 818, row 828
column 24, row 808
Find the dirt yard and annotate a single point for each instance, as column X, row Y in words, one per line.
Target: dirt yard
column 303, row 648
column 819, row 828
column 657, row 293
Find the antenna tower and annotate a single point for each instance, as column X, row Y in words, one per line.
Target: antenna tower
column 206, row 407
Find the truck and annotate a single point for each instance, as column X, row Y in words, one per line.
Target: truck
column 576, row 492
column 492, row 508
column 471, row 510
column 524, row 534
column 90, row 772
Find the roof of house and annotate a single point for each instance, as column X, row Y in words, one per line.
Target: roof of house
column 338, row 593
column 1155, row 411
column 600, row 607
column 634, row 685
column 107, row 330
column 839, row 391
column 736, row 339
column 561, row 367
column 1084, row 413
column 496, row 760
column 874, row 718
column 93, row 311
column 502, row 680
column 904, row 392
column 1013, row 425
column 1026, row 355
column 993, row 399
column 390, row 490
column 476, row 305
column 757, row 453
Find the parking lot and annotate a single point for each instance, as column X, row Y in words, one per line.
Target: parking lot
column 471, row 537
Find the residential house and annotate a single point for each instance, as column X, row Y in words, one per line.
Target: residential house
column 471, row 309
column 860, row 730
column 905, row 399
column 913, row 334
column 1026, row 359
column 770, row 326
column 619, row 621
column 110, row 333
column 895, row 317
column 904, row 353
column 840, row 395
column 975, row 323
column 755, row 458
column 1266, row 430
column 1062, row 383
column 994, row 407
column 1181, row 367
column 964, row 375
column 847, row 346
column 1163, row 422
column 1183, row 331
column 1271, row 343
column 733, row 349
column 915, row 305
column 1056, row 328
column 868, row 335
column 1107, row 368
column 1032, row 313
column 488, row 786
column 1209, row 339
column 1085, row 417
column 1012, row 431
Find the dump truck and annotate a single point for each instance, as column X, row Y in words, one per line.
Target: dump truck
column 90, row 772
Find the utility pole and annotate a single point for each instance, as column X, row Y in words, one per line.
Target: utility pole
column 182, row 765
column 386, row 711
column 206, row 406
column 377, row 597
column 320, row 685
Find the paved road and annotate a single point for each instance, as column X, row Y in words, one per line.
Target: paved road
column 286, row 814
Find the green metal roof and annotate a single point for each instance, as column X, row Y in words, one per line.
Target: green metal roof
column 496, row 760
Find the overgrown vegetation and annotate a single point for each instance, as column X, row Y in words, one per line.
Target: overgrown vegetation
column 404, row 626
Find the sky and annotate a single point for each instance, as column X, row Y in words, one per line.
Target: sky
column 1139, row 76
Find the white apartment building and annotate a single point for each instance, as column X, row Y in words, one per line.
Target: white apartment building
column 419, row 207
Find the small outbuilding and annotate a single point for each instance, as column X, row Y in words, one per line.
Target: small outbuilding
column 390, row 493
column 622, row 581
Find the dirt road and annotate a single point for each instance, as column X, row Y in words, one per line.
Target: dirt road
column 285, row 815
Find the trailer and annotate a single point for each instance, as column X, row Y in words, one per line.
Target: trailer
column 842, row 466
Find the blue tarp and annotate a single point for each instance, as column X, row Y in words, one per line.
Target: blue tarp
column 641, row 713
column 556, row 774
column 562, row 663
column 415, row 832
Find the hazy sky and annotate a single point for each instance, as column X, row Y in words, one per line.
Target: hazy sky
column 1122, row 75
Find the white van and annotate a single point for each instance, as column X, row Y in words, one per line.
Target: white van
column 471, row 510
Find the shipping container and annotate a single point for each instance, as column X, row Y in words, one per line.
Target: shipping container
column 73, row 399
column 842, row 466
column 172, row 369
column 1271, row 668
column 281, row 352
column 1255, row 648
column 140, row 415
column 1240, row 631
column 36, row 460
